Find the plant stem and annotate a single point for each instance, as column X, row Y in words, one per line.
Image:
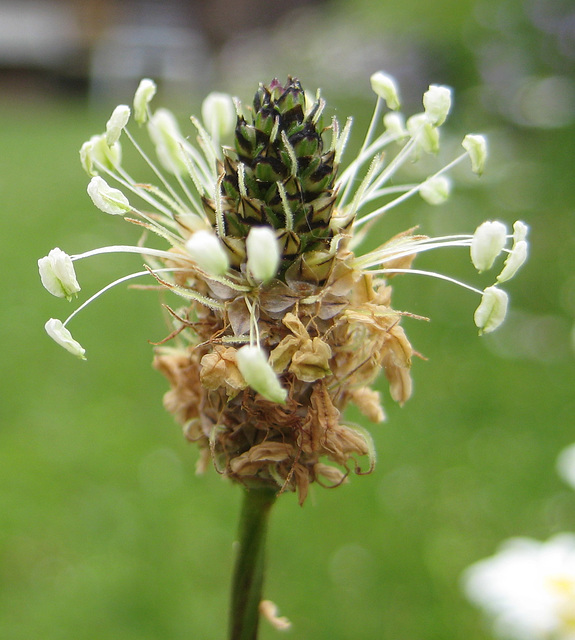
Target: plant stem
column 249, row 568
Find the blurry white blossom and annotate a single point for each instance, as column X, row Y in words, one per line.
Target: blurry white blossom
column 566, row 465
column 527, row 589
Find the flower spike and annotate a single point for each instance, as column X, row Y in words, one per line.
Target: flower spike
column 286, row 320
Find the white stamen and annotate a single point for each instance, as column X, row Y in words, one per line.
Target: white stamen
column 58, row 275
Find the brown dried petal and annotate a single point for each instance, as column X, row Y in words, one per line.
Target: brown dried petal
column 219, row 368
column 259, row 456
column 368, row 402
column 281, row 356
column 397, row 362
column 311, row 361
column 239, row 316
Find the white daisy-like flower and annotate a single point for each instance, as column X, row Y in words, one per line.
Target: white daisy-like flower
column 527, row 589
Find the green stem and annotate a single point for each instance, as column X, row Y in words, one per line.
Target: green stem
column 249, row 569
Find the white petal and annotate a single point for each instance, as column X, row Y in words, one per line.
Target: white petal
column 118, row 120
column 58, row 332
column 258, row 373
column 385, row 87
column 492, row 310
column 206, row 249
column 487, row 243
column 107, row 199
column 437, row 103
column 58, row 275
column 263, row 253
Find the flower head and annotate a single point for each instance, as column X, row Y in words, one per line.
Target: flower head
column 284, row 320
column 527, row 588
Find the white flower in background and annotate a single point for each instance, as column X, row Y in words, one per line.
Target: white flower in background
column 527, row 589
column 566, row 465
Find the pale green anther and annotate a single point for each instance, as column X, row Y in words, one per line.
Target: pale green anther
column 258, row 373
column 492, row 310
column 208, row 252
column 106, row 198
column 437, row 103
column 263, row 253
column 520, row 230
column 58, row 332
column 96, row 151
column 487, row 243
column 425, row 135
column 115, row 125
column 435, row 190
column 476, row 147
column 394, row 124
column 385, row 87
column 144, row 93
column 219, row 114
column 58, row 275
column 165, row 134
column 514, row 261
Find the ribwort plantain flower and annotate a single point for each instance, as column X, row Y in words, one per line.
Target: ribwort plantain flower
column 284, row 320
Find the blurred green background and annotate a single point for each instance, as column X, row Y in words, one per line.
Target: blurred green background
column 105, row 530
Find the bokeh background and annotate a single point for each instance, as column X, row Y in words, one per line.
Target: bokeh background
column 105, row 530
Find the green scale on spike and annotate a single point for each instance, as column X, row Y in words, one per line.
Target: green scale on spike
column 282, row 144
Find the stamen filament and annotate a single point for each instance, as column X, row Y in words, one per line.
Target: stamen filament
column 432, row 274
column 408, row 194
column 366, row 141
column 144, row 251
column 155, row 169
column 130, row 276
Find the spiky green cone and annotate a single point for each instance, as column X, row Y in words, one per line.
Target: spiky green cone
column 279, row 175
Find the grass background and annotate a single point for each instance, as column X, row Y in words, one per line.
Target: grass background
column 105, row 530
